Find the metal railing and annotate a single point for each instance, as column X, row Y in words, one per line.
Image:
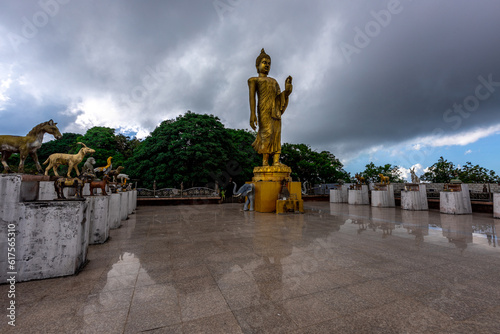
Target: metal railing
column 177, row 193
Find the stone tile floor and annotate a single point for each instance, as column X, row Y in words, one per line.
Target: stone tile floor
column 336, row 269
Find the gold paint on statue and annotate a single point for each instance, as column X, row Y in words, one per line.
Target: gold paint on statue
column 271, row 103
column 267, row 105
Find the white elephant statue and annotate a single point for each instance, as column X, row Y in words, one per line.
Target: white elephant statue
column 248, row 190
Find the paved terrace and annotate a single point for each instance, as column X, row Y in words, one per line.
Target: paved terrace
column 335, row 269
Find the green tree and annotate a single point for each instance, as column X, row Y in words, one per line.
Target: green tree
column 476, row 174
column 242, row 158
column 106, row 144
column 191, row 149
column 372, row 172
column 440, row 172
column 311, row 166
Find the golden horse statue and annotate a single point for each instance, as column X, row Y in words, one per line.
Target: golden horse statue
column 384, row 179
column 26, row 145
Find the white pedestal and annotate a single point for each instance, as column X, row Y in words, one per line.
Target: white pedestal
column 384, row 198
column 134, row 195
column 359, row 196
column 415, row 200
column 99, row 219
column 131, row 207
column 123, row 206
column 51, row 238
column 456, row 202
column 114, row 211
column 339, row 195
column 496, row 205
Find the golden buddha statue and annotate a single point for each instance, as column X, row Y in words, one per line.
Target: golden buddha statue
column 270, row 107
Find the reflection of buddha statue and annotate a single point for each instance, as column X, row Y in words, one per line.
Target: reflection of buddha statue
column 270, row 106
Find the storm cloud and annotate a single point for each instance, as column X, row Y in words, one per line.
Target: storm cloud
column 366, row 74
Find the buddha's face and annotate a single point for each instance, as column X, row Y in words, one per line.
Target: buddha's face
column 264, row 66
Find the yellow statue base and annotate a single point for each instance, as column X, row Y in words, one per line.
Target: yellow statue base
column 272, row 173
column 267, row 180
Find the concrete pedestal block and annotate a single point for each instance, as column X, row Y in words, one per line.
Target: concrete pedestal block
column 114, row 215
column 415, row 200
column 383, row 198
column 130, row 202
column 51, row 239
column 99, row 219
column 46, row 191
column 134, row 192
column 339, row 195
column 456, row 202
column 123, row 206
column 359, row 196
column 10, row 194
column 496, row 205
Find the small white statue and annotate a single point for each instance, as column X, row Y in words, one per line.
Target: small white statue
column 414, row 177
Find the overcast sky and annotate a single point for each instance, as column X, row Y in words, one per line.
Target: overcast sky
column 399, row 82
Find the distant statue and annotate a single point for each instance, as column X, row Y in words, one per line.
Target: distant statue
column 71, row 160
column 64, row 182
column 88, row 167
column 105, row 169
column 414, row 177
column 28, row 144
column 99, row 185
column 270, row 106
column 361, row 180
column 114, row 173
column 384, row 179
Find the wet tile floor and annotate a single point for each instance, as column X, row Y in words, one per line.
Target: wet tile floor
column 336, row 269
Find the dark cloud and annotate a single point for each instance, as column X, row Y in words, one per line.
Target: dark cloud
column 130, row 64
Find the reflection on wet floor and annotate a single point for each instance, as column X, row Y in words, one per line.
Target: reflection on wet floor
column 337, row 268
column 459, row 230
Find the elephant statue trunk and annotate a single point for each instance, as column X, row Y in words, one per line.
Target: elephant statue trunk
column 248, row 190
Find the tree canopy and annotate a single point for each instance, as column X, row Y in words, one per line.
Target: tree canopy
column 192, row 149
column 443, row 171
column 311, row 166
column 371, row 173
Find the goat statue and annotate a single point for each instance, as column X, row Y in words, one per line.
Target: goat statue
column 72, row 160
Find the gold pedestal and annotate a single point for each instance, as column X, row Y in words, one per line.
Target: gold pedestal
column 289, row 205
column 267, row 180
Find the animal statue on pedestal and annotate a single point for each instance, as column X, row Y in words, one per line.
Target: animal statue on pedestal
column 361, row 180
column 384, row 179
column 65, row 182
column 122, row 179
column 99, row 185
column 414, row 177
column 114, row 173
column 105, row 169
column 27, row 145
column 72, row 160
column 88, row 167
column 248, row 190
